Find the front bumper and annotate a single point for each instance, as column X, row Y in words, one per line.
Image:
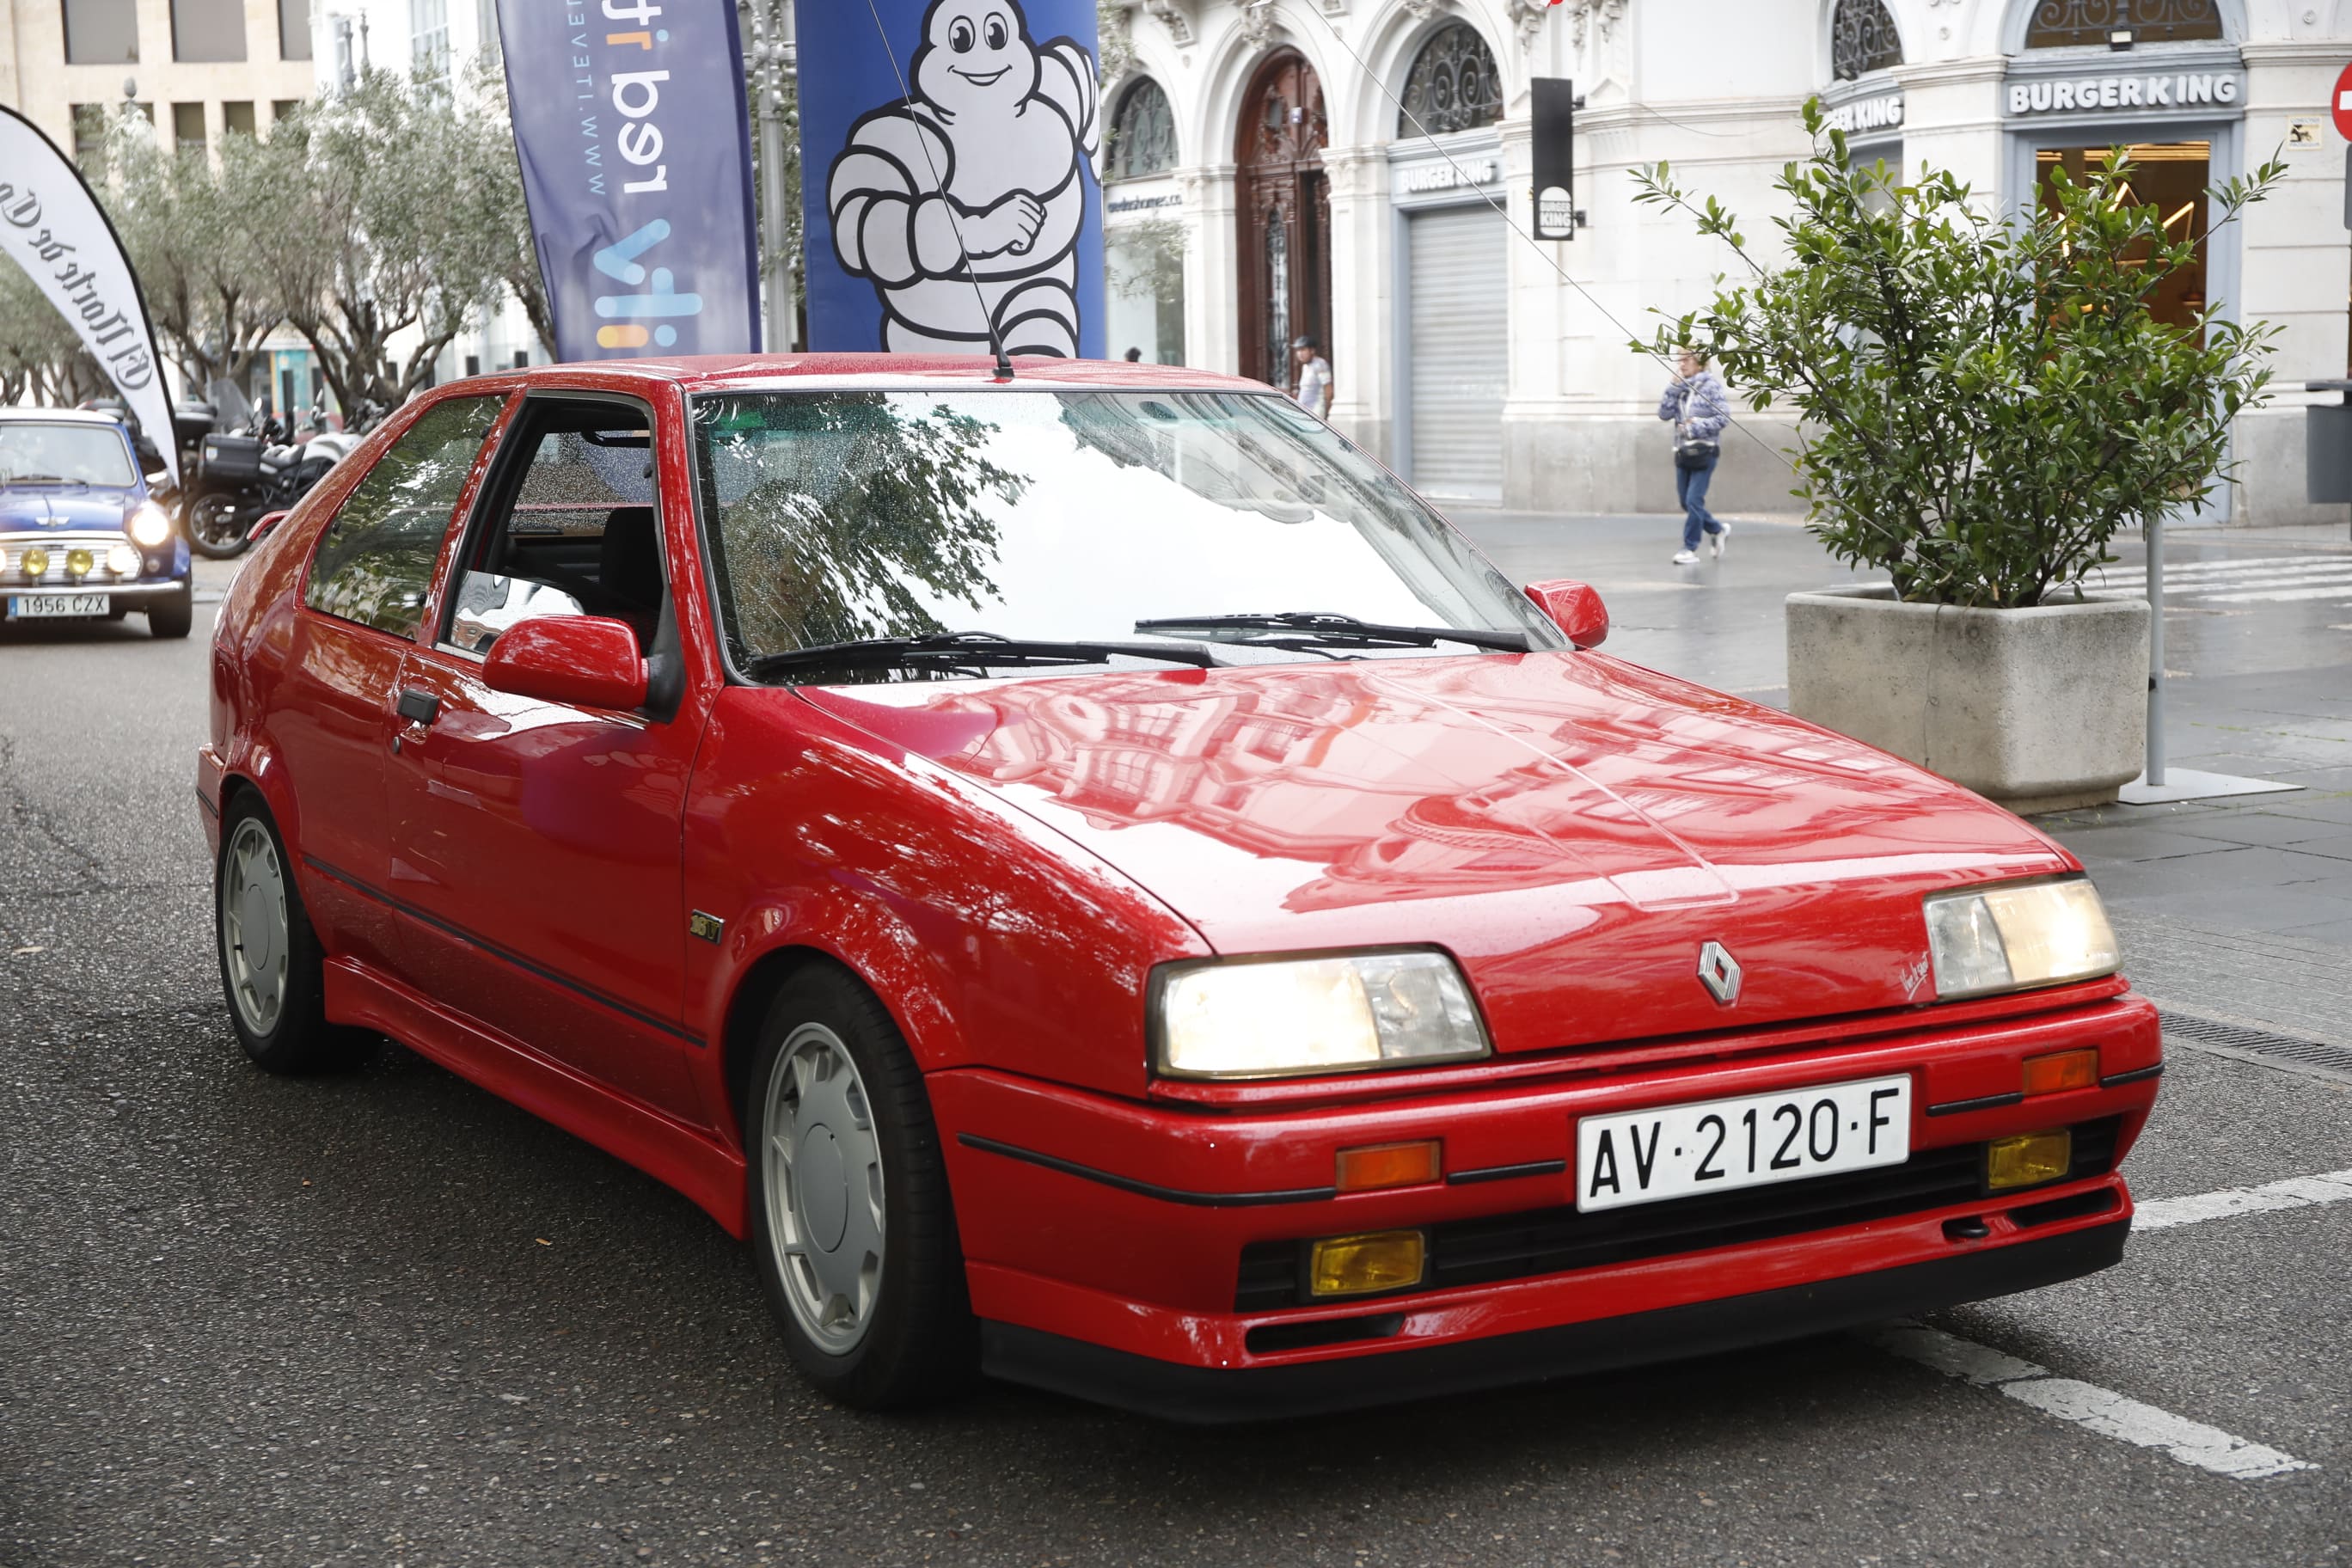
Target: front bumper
column 139, row 594
column 1098, row 1233
column 1200, row 1394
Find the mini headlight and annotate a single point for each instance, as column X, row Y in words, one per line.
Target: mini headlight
column 123, row 560
column 148, row 524
column 2019, row 936
column 1346, row 1013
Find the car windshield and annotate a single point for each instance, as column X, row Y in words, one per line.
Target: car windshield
column 1213, row 521
column 32, row 453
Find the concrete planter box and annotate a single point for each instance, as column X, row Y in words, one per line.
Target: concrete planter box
column 2042, row 710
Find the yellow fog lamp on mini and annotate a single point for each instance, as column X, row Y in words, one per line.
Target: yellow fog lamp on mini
column 1359, row 1265
column 123, row 560
column 36, row 561
column 2029, row 1159
column 78, row 562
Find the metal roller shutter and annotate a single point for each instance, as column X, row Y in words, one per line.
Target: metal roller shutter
column 1457, row 316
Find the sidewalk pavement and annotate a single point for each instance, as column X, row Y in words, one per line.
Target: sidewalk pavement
column 2224, row 898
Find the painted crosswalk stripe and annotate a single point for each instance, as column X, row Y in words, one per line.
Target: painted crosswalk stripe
column 2294, row 1193
column 2099, row 1410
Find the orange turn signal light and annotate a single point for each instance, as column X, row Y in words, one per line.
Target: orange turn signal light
column 1378, row 1165
column 2062, row 1070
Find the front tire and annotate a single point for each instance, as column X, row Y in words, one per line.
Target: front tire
column 852, row 1225
column 272, row 966
column 172, row 617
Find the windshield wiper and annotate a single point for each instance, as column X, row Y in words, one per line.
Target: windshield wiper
column 44, row 480
column 1308, row 628
column 981, row 649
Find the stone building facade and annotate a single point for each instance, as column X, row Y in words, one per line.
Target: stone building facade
column 1354, row 169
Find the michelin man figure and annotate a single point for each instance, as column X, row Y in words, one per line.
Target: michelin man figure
column 979, row 179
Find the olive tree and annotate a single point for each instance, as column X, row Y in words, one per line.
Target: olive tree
column 1984, row 401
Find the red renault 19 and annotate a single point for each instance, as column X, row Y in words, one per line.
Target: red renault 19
column 1100, row 885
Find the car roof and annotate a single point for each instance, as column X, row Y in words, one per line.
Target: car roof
column 880, row 371
column 59, row 416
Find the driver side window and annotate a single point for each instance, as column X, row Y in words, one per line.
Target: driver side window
column 578, row 534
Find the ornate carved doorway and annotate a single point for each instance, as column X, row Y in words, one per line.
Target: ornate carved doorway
column 1286, row 216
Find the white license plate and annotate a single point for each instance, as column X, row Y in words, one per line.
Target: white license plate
column 34, row 608
column 1717, row 1145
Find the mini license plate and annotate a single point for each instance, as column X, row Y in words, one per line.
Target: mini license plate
column 37, row 607
column 1716, row 1145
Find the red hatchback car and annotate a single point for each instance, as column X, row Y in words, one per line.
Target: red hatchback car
column 1100, row 884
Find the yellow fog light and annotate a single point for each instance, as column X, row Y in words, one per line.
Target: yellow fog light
column 2029, row 1159
column 78, row 562
column 1352, row 1265
column 37, row 560
column 123, row 560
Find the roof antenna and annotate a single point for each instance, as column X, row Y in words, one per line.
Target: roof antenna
column 906, row 94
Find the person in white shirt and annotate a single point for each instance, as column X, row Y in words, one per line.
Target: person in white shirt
column 1313, row 388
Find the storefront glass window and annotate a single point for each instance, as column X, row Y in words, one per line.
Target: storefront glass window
column 2170, row 177
column 1143, row 136
column 1144, row 263
column 2064, row 24
column 1453, row 85
column 1862, row 39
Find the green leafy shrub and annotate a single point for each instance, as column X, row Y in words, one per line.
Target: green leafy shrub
column 1983, row 401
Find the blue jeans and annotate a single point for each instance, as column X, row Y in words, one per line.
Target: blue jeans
column 1690, row 489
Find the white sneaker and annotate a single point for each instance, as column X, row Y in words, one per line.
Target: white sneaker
column 1721, row 541
column 1686, row 557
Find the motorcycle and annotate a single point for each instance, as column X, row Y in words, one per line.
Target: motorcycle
column 239, row 476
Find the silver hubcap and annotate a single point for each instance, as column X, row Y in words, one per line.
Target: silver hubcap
column 252, row 925
column 823, row 1171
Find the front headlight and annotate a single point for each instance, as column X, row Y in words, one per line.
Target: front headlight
column 1347, row 1013
column 2016, row 937
column 148, row 524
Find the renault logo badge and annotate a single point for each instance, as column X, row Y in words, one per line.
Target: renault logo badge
column 1719, row 973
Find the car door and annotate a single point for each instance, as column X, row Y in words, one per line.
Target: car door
column 332, row 724
column 537, row 844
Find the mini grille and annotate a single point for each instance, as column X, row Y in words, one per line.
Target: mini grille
column 2261, row 1042
column 12, row 569
column 1560, row 1240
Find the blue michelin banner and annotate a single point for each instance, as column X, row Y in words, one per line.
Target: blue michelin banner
column 948, row 183
column 636, row 164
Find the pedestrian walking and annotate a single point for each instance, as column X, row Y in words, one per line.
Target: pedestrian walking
column 1313, row 388
column 1700, row 407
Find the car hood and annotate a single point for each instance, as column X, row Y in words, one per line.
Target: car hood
column 1572, row 828
column 61, row 509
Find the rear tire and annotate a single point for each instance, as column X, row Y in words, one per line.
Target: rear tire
column 272, row 967
column 213, row 527
column 852, row 1225
column 174, row 616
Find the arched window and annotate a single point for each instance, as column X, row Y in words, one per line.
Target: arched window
column 1862, row 39
column 1453, row 85
column 1143, row 137
column 2062, row 24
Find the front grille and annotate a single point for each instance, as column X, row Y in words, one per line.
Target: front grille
column 1560, row 1240
column 12, row 570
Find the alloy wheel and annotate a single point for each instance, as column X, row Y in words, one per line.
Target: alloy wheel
column 252, row 925
column 825, row 1189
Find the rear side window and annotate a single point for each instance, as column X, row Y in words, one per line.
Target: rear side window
column 375, row 560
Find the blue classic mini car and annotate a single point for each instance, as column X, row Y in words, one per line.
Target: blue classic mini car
column 79, row 536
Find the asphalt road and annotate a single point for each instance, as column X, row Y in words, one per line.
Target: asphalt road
column 386, row 1319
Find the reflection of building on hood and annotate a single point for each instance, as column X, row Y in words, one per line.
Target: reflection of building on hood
column 964, row 206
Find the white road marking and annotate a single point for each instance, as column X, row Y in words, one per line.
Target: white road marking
column 2100, row 1410
column 2294, row 1193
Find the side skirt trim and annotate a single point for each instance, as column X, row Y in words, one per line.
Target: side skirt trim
column 1146, row 1189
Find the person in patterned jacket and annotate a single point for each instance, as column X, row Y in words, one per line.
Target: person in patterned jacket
column 1699, row 404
